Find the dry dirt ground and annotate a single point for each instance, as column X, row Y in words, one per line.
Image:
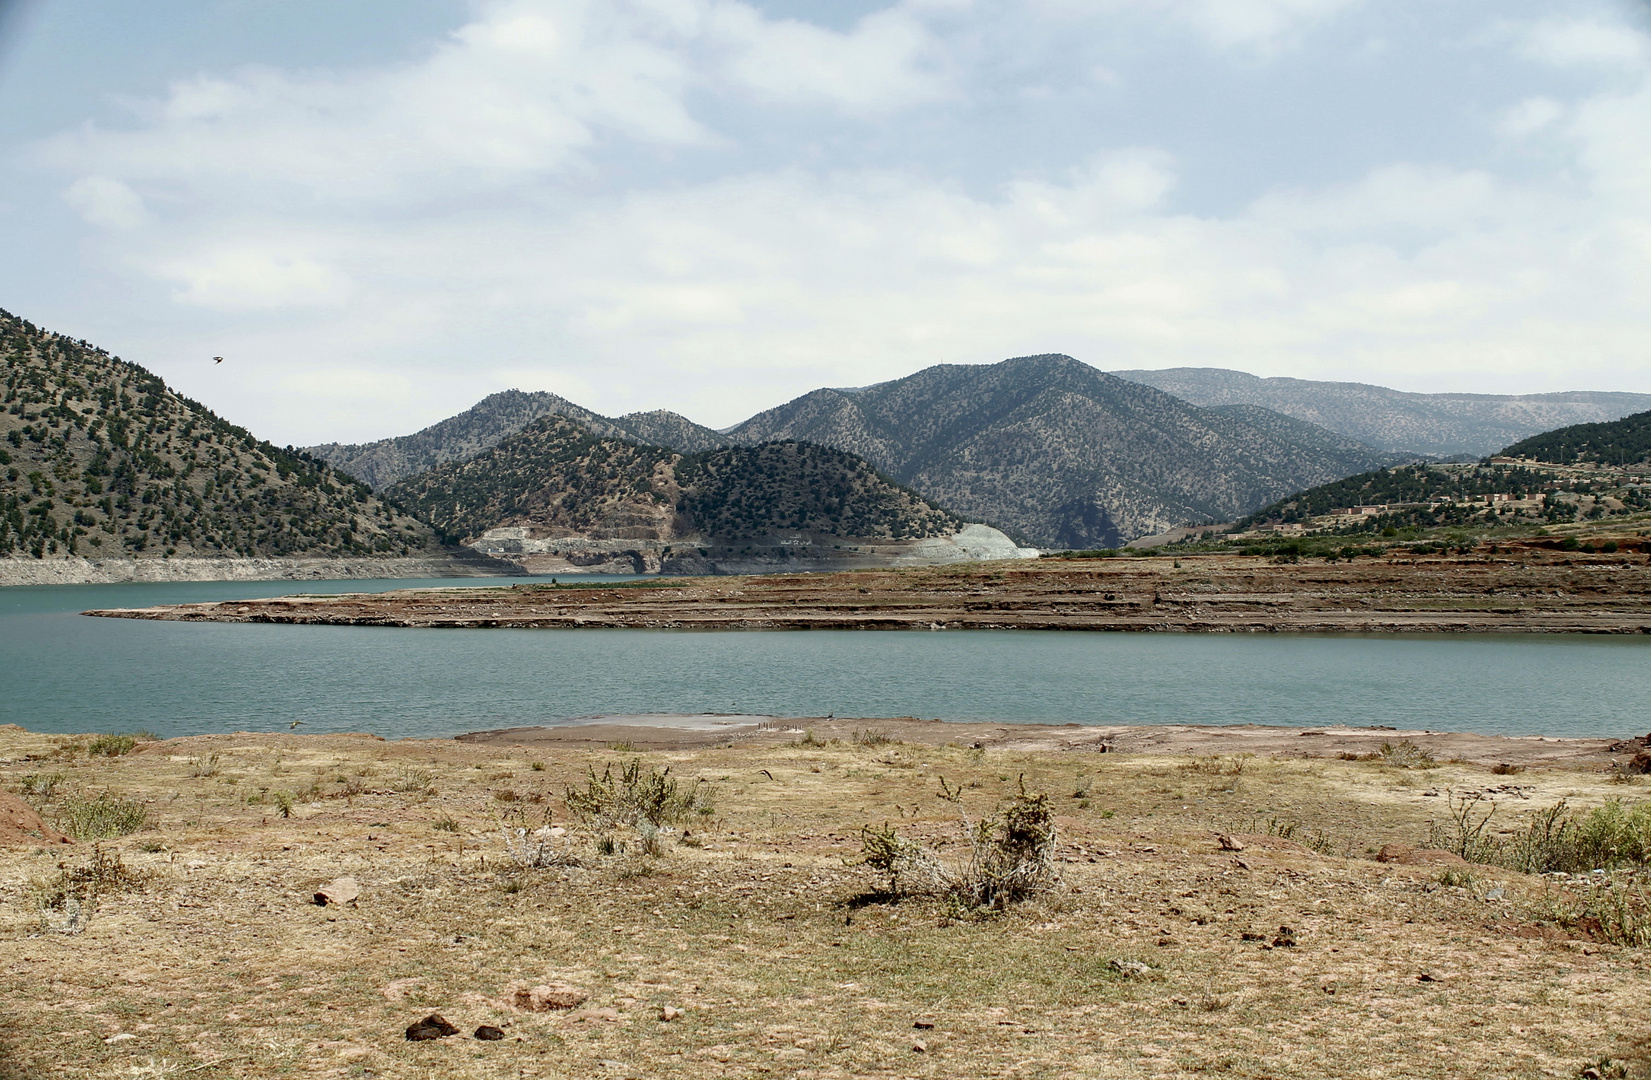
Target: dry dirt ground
column 1512, row 590
column 782, row 959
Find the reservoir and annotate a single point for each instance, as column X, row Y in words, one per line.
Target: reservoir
column 62, row 672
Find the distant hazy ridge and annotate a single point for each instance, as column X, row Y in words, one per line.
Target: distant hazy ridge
column 1388, row 419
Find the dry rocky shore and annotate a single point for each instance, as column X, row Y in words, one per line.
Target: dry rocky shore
column 1516, row 591
column 1222, row 908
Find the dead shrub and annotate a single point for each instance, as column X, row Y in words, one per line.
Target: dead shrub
column 67, row 900
column 414, row 781
column 1407, row 755
column 1011, row 855
column 536, row 849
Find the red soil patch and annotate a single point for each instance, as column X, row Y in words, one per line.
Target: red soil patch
column 20, row 826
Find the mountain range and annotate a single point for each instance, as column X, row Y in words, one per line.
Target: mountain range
column 1060, row 454
column 1047, row 448
column 485, row 424
column 1394, row 420
column 557, row 495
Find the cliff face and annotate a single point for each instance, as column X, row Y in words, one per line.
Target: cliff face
column 1389, row 419
column 1062, row 454
column 100, row 459
column 493, row 419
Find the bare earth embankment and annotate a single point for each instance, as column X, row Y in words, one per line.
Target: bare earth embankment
column 1530, row 591
column 742, row 942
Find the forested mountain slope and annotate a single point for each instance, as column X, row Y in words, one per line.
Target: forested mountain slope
column 491, row 420
column 1062, row 454
column 98, row 457
column 1618, row 442
column 559, row 478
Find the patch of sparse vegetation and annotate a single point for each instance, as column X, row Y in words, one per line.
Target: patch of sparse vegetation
column 40, row 786
column 1615, row 910
column 102, row 817
column 111, row 745
column 66, row 900
column 636, row 798
column 1011, row 855
column 1407, row 755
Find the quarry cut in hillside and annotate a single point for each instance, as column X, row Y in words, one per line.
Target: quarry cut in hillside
column 559, row 498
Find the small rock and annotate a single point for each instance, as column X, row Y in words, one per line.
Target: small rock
column 431, row 1027
column 1425, row 977
column 550, row 996
column 489, row 1033
column 1496, row 894
column 1229, row 843
column 345, row 890
column 918, row 1046
column 1286, row 938
column 1131, row 968
column 924, row 1025
column 668, row 1013
column 122, row 1037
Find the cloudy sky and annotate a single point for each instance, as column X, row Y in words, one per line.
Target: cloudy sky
column 382, row 210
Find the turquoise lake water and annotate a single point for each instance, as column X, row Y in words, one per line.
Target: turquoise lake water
column 63, row 672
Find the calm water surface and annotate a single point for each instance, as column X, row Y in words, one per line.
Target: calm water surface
column 62, row 672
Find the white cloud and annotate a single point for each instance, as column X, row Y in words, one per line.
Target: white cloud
column 1267, row 24
column 518, row 93
column 1530, row 116
column 1264, row 26
column 889, row 60
column 237, row 276
column 106, row 202
column 419, row 235
column 1568, row 42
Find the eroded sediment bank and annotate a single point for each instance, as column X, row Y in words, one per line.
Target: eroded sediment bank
column 1530, row 592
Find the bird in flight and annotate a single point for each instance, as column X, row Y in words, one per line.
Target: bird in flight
column 217, row 359
column 294, row 725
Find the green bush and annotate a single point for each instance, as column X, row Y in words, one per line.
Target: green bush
column 112, row 745
column 1613, row 836
column 1607, row 837
column 101, row 818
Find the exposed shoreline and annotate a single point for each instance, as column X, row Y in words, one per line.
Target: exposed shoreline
column 669, row 731
column 77, row 570
column 1523, row 592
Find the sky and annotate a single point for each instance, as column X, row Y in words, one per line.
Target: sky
column 379, row 211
